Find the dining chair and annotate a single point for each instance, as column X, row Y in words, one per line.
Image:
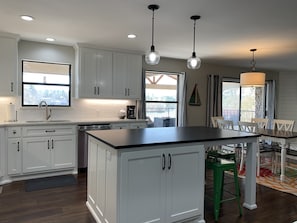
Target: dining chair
column 283, row 125
column 251, row 127
column 214, row 120
column 264, row 147
column 262, row 123
column 228, row 125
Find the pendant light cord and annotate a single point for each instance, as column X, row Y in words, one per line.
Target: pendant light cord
column 253, row 63
column 153, row 28
column 194, row 35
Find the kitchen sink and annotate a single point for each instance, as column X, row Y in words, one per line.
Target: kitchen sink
column 47, row 121
column 59, row 120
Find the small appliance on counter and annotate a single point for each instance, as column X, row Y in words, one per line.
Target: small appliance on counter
column 131, row 112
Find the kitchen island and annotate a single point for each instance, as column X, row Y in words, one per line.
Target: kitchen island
column 157, row 174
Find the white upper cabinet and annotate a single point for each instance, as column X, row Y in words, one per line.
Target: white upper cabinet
column 95, row 73
column 107, row 74
column 127, row 73
column 8, row 65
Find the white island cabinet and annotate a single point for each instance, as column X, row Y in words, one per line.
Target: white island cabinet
column 151, row 184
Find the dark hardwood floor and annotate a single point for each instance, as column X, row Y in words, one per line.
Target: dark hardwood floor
column 67, row 205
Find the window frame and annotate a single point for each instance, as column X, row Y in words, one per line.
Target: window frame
column 176, row 102
column 47, row 84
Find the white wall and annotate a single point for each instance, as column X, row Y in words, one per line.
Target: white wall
column 287, row 97
column 87, row 109
column 196, row 115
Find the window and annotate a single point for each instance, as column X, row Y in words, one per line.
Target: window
column 48, row 82
column 161, row 98
column 242, row 103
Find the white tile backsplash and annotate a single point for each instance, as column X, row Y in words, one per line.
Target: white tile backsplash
column 81, row 109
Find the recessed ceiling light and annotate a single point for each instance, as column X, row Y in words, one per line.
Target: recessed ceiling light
column 27, row 17
column 131, row 36
column 50, row 39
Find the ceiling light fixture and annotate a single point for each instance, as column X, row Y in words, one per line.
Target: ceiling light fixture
column 50, row 39
column 252, row 78
column 194, row 62
column 131, row 36
column 27, row 18
column 152, row 57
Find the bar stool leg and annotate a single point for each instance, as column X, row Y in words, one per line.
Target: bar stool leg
column 217, row 192
column 237, row 190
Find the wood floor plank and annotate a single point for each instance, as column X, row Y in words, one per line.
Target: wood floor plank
column 68, row 205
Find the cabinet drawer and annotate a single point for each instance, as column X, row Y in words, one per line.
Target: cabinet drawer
column 48, row 130
column 14, row 132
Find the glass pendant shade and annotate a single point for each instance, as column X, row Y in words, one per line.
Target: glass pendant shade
column 193, row 62
column 252, row 79
column 152, row 57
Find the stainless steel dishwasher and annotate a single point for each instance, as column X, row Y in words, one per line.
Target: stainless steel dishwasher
column 82, row 156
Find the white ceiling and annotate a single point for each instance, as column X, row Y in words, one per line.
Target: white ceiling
column 226, row 32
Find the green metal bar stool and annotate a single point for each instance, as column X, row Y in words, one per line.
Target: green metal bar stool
column 220, row 163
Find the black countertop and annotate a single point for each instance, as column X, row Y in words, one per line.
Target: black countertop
column 127, row 138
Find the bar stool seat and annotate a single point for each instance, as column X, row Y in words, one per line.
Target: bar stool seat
column 220, row 163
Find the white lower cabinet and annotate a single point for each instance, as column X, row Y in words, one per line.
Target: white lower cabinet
column 14, row 150
column 46, row 153
column 38, row 149
column 14, row 156
column 150, row 185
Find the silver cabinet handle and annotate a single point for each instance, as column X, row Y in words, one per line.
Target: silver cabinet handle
column 95, row 90
column 48, row 144
column 11, row 86
column 18, row 147
column 52, row 144
column 98, row 90
column 50, row 130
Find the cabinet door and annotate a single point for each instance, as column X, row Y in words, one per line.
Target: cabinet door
column 36, row 154
column 63, row 151
column 127, row 73
column 95, row 73
column 8, row 66
column 143, row 183
column 14, row 156
column 185, row 182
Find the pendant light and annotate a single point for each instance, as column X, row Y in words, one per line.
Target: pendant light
column 152, row 57
column 252, row 78
column 194, row 62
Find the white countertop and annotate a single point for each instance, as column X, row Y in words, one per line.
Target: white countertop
column 70, row 122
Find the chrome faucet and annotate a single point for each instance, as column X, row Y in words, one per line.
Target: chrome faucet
column 48, row 112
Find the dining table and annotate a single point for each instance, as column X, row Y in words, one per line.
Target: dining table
column 284, row 138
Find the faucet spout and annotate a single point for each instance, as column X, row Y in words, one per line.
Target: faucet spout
column 48, row 112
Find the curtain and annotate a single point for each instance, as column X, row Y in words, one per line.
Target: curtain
column 214, row 97
column 141, row 103
column 182, row 103
column 271, row 105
